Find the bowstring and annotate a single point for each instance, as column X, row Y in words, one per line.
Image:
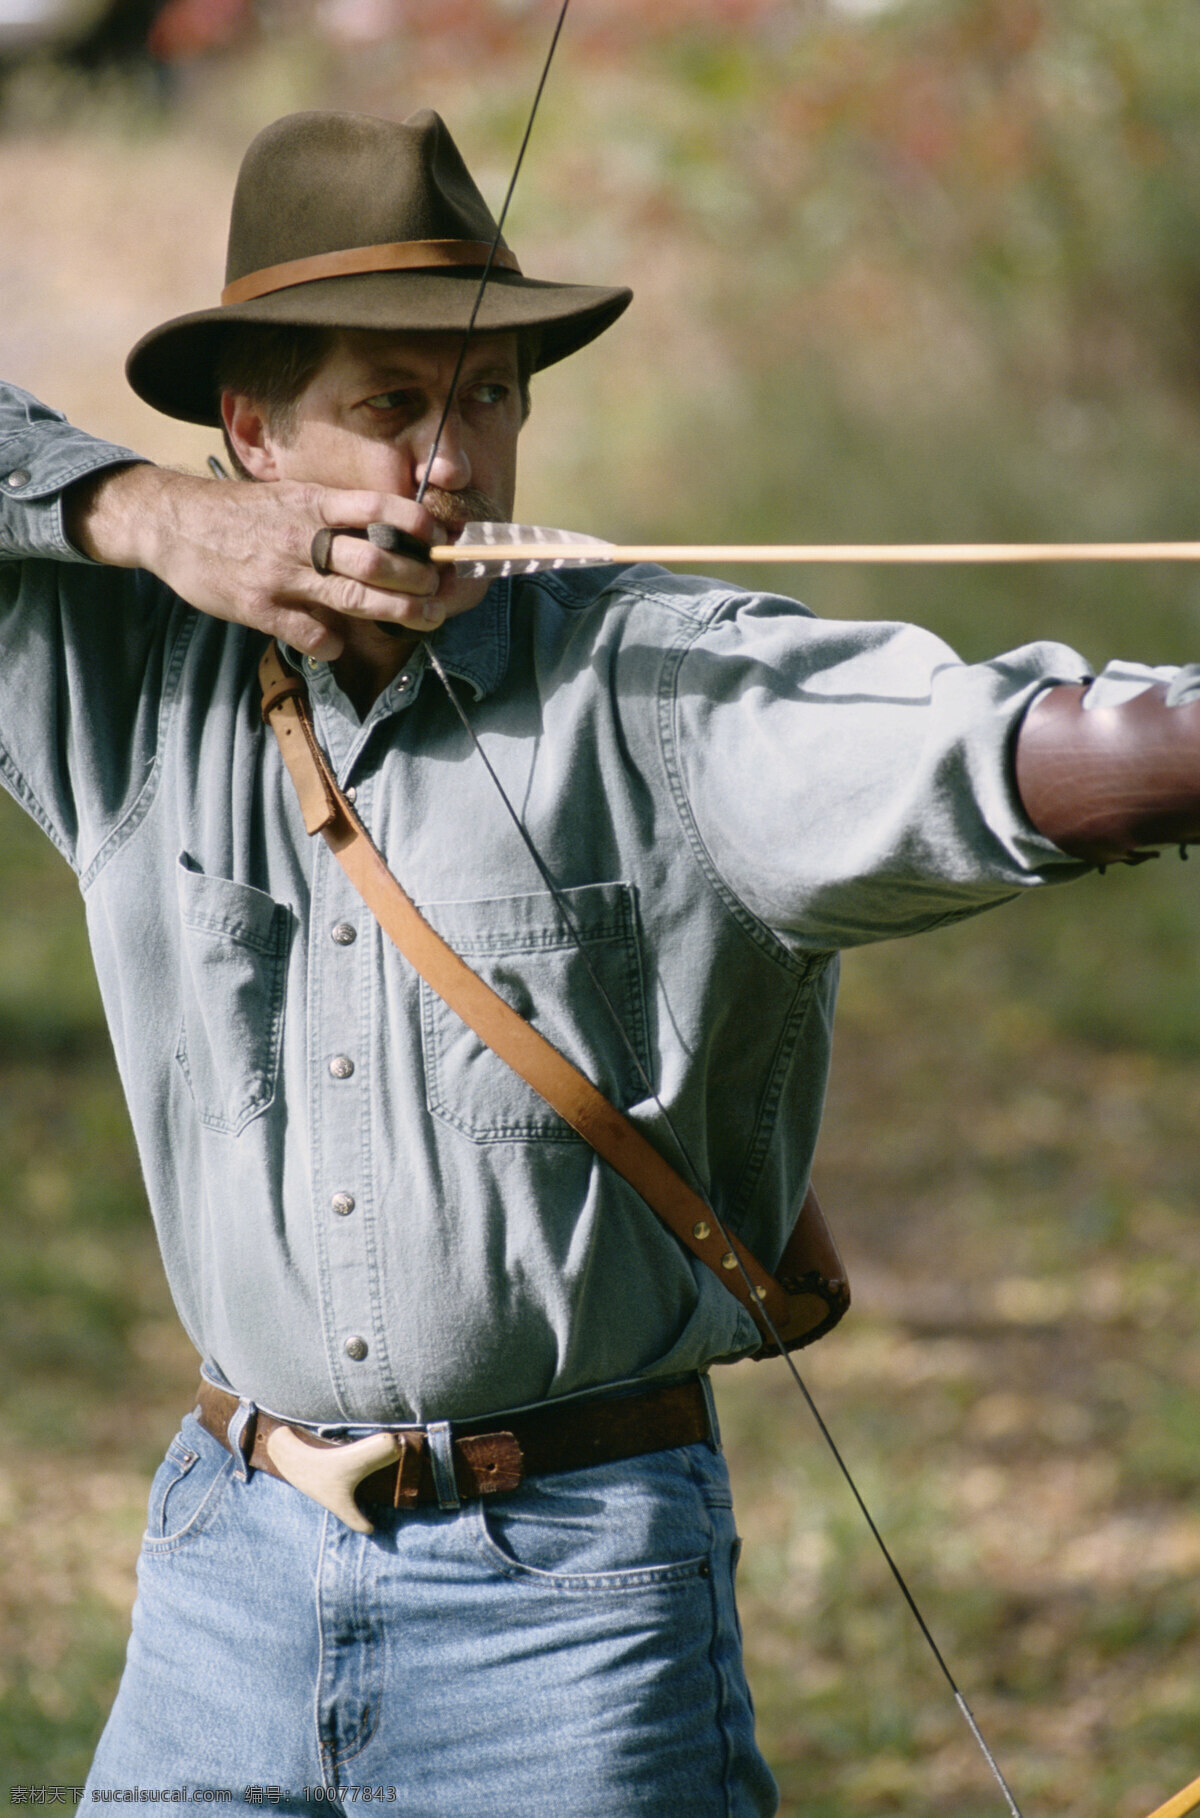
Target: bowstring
column 493, row 249
column 689, row 1164
column 580, row 945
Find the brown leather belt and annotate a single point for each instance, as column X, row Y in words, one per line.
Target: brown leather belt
column 441, row 1464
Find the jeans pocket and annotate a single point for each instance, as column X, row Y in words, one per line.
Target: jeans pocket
column 235, row 944
column 187, row 1489
column 521, row 947
column 629, row 1526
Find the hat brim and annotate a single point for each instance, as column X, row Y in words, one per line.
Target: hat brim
column 174, row 367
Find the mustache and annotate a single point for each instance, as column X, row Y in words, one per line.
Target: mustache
column 468, row 506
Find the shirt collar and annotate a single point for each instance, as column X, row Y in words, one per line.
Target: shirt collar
column 474, row 646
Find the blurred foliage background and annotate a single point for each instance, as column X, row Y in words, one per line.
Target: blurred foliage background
column 919, row 270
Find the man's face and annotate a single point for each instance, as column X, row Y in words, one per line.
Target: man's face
column 367, row 421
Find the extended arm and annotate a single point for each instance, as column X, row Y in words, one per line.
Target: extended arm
column 1108, row 782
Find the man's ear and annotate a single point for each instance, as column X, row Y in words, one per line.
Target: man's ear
column 249, row 435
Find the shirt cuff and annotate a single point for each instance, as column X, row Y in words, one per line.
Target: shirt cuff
column 41, row 454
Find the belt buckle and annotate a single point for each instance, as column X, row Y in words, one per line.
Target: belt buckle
column 460, row 1466
column 330, row 1474
column 408, row 1471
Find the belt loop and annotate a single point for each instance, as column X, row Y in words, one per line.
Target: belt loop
column 240, row 1433
column 441, row 1457
column 710, row 1404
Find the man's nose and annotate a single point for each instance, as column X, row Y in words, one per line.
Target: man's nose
column 442, row 460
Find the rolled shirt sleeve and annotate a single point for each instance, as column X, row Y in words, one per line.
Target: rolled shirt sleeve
column 41, row 454
column 83, row 647
column 854, row 782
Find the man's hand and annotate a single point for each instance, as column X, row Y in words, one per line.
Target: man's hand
column 241, row 550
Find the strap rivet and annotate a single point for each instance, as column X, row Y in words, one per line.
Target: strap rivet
column 729, row 1260
column 760, row 1293
column 701, row 1229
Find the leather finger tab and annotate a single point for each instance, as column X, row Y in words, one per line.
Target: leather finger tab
column 402, row 543
column 320, row 549
column 398, row 542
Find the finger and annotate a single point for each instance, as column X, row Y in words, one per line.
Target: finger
column 353, row 513
column 382, row 605
column 397, row 541
column 404, row 543
column 352, row 556
column 381, row 535
column 311, row 632
column 320, row 550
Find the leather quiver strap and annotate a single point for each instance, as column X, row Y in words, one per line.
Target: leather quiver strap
column 812, row 1293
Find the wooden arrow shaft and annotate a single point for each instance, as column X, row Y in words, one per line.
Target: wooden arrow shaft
column 1183, row 1802
column 671, row 554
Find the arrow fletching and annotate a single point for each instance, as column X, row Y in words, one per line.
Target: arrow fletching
column 540, row 548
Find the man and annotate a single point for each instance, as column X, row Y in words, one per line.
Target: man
column 368, row 1220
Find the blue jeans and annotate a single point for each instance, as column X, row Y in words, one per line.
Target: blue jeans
column 570, row 1650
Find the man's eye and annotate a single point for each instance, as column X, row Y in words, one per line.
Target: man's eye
column 492, row 393
column 389, row 400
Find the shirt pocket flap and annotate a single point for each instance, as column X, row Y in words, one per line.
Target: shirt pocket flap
column 522, row 947
column 235, row 947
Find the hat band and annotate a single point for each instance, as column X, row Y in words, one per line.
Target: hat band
column 396, row 255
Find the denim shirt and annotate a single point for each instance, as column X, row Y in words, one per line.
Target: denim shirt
column 363, row 1214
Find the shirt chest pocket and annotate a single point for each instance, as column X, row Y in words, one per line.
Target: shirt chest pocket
column 521, row 947
column 235, row 942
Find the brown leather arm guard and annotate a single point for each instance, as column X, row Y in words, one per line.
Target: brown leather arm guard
column 1108, row 783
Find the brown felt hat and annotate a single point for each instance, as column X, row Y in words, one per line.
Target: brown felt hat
column 345, row 221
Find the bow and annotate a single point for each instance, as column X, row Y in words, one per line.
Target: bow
column 505, row 549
